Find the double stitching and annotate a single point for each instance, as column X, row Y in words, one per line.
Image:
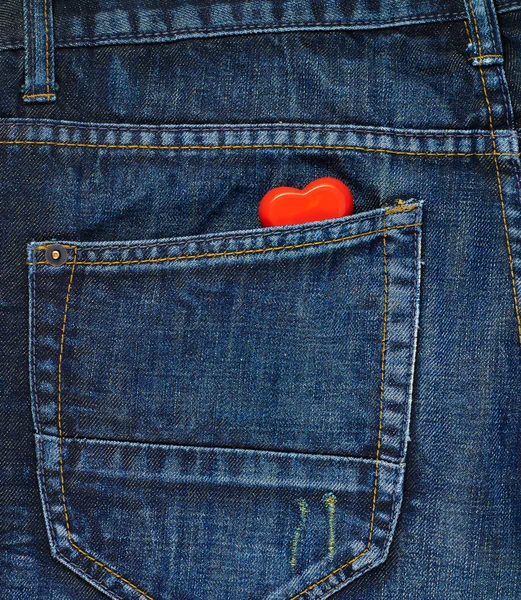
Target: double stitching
column 300, row 127
column 380, row 424
column 249, row 147
column 47, row 93
column 498, row 177
column 136, row 261
column 265, row 234
column 60, row 442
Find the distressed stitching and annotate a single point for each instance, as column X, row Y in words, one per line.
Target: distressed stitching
column 75, row 262
column 379, row 437
column 248, row 146
column 412, row 346
column 60, row 432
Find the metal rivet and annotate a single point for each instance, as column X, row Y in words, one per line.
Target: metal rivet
column 56, row 254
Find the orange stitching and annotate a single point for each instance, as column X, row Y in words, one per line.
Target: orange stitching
column 60, row 436
column 380, row 424
column 501, row 196
column 231, row 252
column 245, row 147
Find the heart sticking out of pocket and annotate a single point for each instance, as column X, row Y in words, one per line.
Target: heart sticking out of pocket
column 324, row 198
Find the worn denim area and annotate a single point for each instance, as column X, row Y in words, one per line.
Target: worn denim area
column 193, row 407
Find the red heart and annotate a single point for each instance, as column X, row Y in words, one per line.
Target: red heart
column 324, row 198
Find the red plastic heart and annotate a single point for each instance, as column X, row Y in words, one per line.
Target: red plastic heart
column 324, row 198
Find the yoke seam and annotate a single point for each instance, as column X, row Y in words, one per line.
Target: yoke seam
column 250, row 147
column 279, row 28
column 265, row 127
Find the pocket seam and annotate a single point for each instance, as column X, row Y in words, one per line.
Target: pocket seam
column 383, row 230
column 380, row 423
column 74, row 263
column 234, row 235
column 60, row 430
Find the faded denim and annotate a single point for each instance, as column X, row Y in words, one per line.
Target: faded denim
column 196, row 408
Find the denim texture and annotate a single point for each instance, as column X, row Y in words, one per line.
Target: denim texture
column 196, row 408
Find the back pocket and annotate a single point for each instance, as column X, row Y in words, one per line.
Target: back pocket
column 226, row 416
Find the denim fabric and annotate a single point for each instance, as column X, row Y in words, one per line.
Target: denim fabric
column 194, row 407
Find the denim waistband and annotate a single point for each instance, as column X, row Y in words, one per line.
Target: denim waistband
column 100, row 22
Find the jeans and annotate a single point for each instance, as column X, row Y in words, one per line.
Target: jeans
column 195, row 407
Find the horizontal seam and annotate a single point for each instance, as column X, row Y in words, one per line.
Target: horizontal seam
column 248, row 146
column 237, row 252
column 224, row 28
column 272, row 128
column 43, row 95
column 230, row 236
column 95, row 440
column 484, row 56
column 279, row 28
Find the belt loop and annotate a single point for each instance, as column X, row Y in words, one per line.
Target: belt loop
column 484, row 32
column 39, row 52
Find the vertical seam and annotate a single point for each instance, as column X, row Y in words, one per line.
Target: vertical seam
column 32, row 43
column 46, row 22
column 500, row 187
column 60, row 438
column 379, row 438
column 476, row 28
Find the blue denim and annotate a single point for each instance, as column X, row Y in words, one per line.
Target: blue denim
column 198, row 408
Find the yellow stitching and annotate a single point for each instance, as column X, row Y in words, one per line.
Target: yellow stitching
column 60, row 437
column 485, row 56
column 382, row 381
column 379, row 440
column 480, row 53
column 45, row 19
column 42, row 95
column 45, row 246
column 233, row 252
column 244, row 147
column 502, row 198
column 467, row 30
column 400, row 208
